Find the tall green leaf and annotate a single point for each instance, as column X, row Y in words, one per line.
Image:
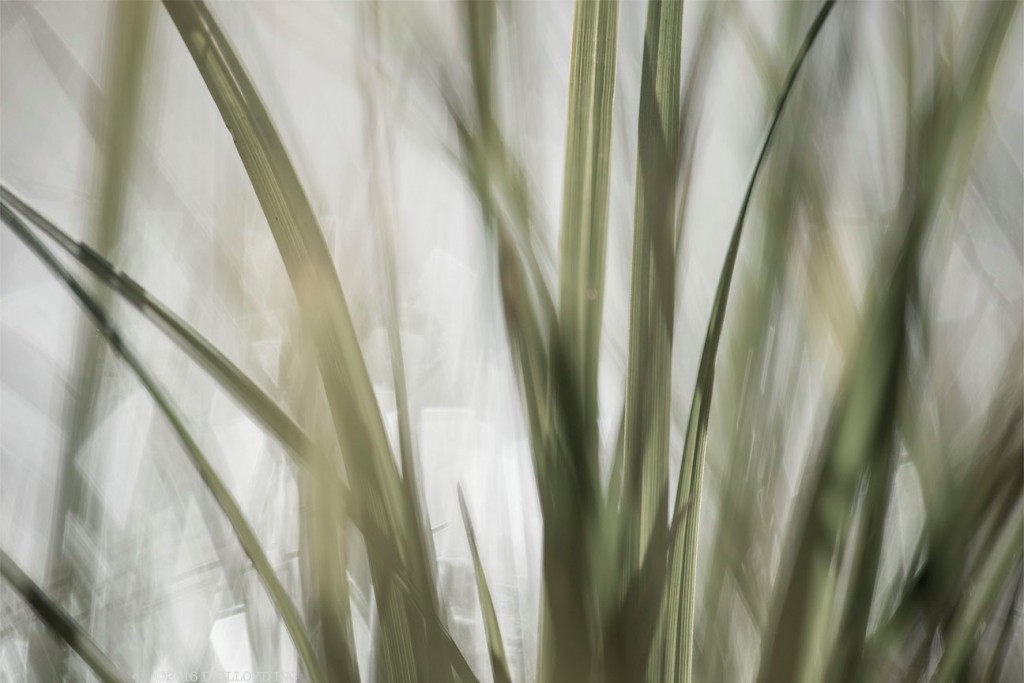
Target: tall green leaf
column 679, row 632
column 229, row 376
column 859, row 432
column 565, row 475
column 585, row 202
column 991, row 583
column 376, row 484
column 646, row 415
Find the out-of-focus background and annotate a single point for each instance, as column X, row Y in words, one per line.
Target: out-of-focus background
column 99, row 504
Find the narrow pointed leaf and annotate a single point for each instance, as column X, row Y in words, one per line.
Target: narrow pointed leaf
column 246, row 537
column 499, row 663
column 646, row 411
column 682, row 593
column 585, row 200
column 375, row 481
column 228, row 375
column 991, row 583
column 860, row 427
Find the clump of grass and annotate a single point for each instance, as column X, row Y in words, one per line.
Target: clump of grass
column 621, row 596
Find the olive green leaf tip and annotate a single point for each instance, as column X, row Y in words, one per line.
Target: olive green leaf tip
column 499, row 663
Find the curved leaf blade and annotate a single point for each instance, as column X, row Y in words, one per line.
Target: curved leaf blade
column 499, row 663
column 229, row 376
column 682, row 588
column 246, row 536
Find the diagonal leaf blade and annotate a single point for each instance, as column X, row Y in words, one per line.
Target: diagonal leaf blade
column 228, row 375
column 60, row 622
column 499, row 663
column 859, row 432
column 585, row 200
column 246, row 537
column 682, row 587
column 376, row 484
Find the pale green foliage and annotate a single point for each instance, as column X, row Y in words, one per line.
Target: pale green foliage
column 621, row 563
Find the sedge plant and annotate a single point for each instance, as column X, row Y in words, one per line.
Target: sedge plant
column 638, row 582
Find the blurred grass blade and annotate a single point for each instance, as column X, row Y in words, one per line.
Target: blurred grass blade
column 682, row 594
column 451, row 650
column 866, row 549
column 493, row 167
column 858, row 436
column 991, row 583
column 325, row 512
column 755, row 447
column 246, row 537
column 585, row 201
column 646, row 421
column 480, row 22
column 60, row 622
column 499, row 663
column 302, row 245
column 633, row 632
column 565, row 476
column 327, row 523
column 481, row 142
column 956, row 535
column 860, row 428
column 379, row 158
column 997, row 660
column 569, row 482
column 125, row 63
column 131, row 28
column 372, row 472
column 228, row 375
column 231, row 378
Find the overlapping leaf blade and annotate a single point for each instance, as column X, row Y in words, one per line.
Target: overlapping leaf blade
column 499, row 662
column 679, row 632
column 585, row 201
column 130, row 24
column 651, row 314
column 381, row 497
column 60, row 622
column 228, row 375
column 858, row 437
column 246, row 536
